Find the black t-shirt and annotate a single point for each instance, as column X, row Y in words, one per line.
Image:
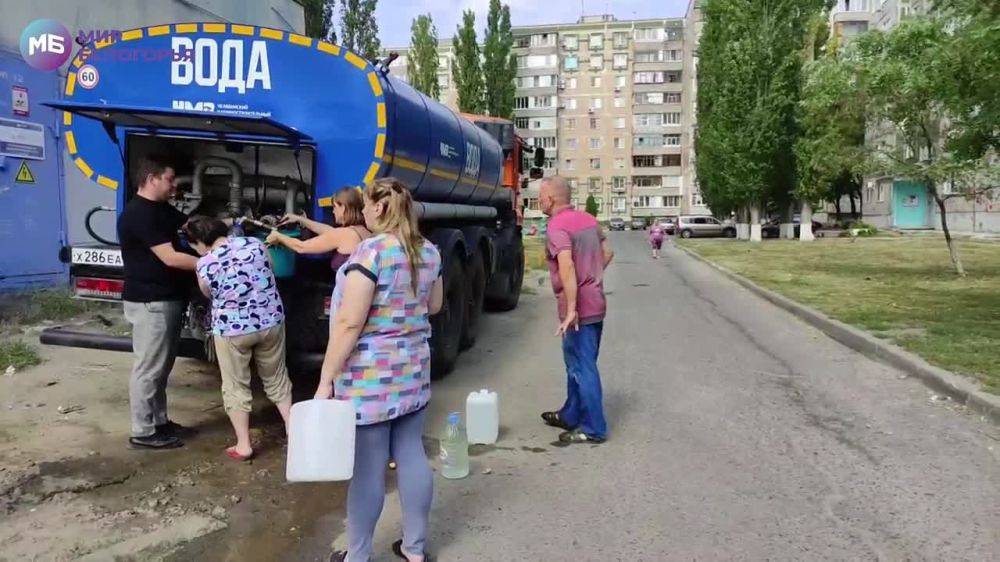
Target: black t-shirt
column 142, row 225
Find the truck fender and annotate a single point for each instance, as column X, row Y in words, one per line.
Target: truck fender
column 477, row 238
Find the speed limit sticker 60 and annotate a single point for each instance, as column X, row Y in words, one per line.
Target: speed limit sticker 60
column 87, row 76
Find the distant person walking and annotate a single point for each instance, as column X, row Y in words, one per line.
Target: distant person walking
column 157, row 284
column 656, row 235
column 248, row 322
column 378, row 357
column 577, row 254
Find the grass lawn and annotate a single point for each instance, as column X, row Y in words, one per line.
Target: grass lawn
column 900, row 289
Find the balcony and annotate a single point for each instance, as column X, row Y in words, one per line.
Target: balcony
column 669, row 65
column 666, row 129
column 654, row 150
column 657, row 171
column 659, row 87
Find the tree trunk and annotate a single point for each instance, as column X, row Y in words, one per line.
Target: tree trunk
column 755, row 234
column 787, row 228
column 854, row 209
column 742, row 225
column 956, row 260
column 806, row 223
column 836, row 204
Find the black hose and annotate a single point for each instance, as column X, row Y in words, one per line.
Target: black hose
column 90, row 230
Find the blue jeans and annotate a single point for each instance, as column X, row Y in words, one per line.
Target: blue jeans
column 584, row 406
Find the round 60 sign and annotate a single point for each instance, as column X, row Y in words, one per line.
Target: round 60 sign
column 87, row 77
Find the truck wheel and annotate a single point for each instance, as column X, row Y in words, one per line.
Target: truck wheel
column 513, row 280
column 447, row 325
column 475, row 273
column 685, row 233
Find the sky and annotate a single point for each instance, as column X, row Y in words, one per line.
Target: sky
column 394, row 16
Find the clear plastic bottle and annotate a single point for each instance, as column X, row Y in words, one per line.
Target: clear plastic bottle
column 454, row 449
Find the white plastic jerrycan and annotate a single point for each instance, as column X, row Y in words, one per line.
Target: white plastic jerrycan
column 321, row 441
column 482, row 417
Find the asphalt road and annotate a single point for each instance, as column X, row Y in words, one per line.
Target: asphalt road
column 737, row 432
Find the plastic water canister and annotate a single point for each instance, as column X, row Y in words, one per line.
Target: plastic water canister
column 482, row 417
column 321, row 441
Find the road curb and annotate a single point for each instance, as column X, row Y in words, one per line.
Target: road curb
column 955, row 386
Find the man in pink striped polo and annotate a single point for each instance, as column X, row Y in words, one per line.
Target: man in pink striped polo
column 577, row 253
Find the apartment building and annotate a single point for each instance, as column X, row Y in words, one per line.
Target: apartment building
column 605, row 99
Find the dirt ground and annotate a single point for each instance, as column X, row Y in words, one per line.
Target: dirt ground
column 70, row 489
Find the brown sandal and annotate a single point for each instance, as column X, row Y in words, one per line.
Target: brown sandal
column 555, row 420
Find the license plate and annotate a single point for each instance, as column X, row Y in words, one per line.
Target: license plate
column 97, row 256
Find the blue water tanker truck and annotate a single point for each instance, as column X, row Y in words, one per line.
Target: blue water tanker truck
column 260, row 122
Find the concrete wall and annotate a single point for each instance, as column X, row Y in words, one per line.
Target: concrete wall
column 81, row 193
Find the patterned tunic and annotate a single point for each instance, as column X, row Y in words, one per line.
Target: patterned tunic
column 244, row 297
column 388, row 374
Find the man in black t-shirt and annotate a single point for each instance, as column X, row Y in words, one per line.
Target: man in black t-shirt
column 157, row 281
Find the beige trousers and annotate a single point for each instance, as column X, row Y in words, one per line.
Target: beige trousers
column 267, row 351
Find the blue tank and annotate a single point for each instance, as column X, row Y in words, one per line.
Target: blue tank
column 238, row 82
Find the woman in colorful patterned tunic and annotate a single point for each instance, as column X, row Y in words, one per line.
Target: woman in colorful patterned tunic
column 248, row 322
column 378, row 357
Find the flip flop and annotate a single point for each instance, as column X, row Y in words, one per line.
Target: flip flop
column 397, row 549
column 231, row 453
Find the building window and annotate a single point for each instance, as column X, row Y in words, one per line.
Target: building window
column 571, row 103
column 595, row 163
column 600, row 203
column 881, row 193
column 571, row 144
column 620, row 39
column 647, row 119
column 521, row 103
column 594, row 184
column 571, row 123
column 619, row 163
column 595, row 82
column 544, row 142
column 618, row 182
column 672, row 140
column 543, row 40
column 673, row 77
column 595, row 143
column 570, row 63
column 619, row 122
column 674, row 34
column 544, row 101
column 595, row 122
column 656, row 161
column 619, row 61
column 596, row 103
column 597, row 62
column 697, row 200
column 673, row 200
column 596, row 41
column 569, row 164
column 649, row 34
column 649, row 56
column 521, row 122
column 673, row 55
column 619, row 142
column 571, row 84
column 647, row 181
column 647, row 141
column 618, row 204
column 621, row 81
column 673, row 118
column 570, row 42
column 672, row 97
column 536, row 61
column 648, row 77
column 549, row 163
column 523, row 42
column 619, row 101
column 649, row 98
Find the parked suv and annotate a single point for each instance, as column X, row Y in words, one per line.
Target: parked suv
column 691, row 226
column 668, row 225
column 772, row 228
column 638, row 224
column 616, row 223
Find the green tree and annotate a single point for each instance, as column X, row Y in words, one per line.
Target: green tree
column 829, row 150
column 319, row 19
column 466, row 72
column 591, row 206
column 915, row 101
column 749, row 67
column 499, row 63
column 422, row 68
column 358, row 28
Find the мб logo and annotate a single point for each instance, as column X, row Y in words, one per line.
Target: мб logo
column 45, row 44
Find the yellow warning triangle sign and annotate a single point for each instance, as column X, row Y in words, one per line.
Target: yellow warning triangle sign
column 24, row 174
